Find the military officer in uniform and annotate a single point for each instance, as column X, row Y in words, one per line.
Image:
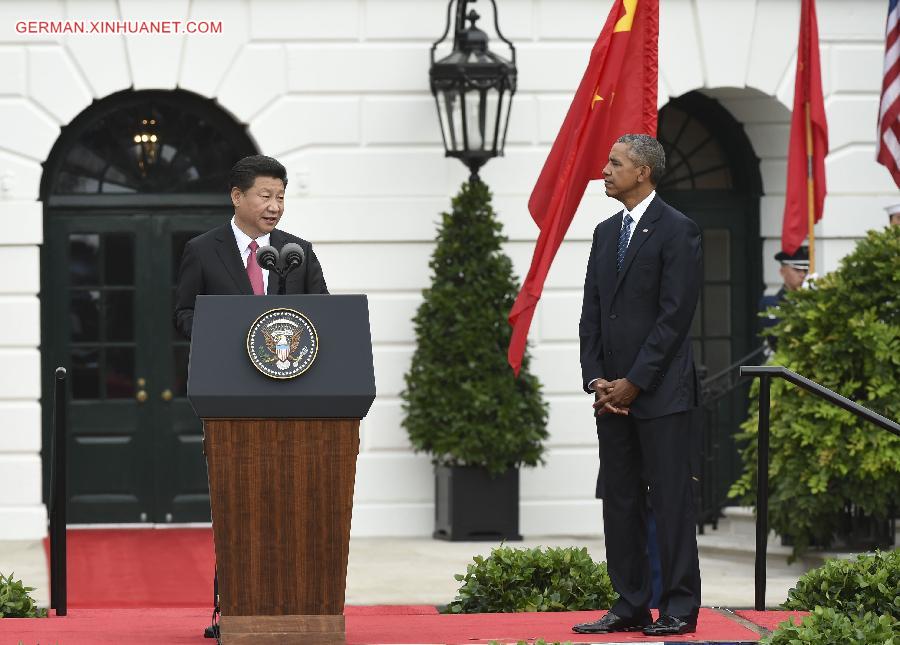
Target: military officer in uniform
column 893, row 212
column 794, row 269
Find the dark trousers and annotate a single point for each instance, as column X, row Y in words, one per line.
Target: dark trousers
column 635, row 454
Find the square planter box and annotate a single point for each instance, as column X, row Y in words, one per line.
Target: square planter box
column 470, row 505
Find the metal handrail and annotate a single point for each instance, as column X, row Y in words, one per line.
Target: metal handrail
column 766, row 373
column 58, row 496
column 717, row 390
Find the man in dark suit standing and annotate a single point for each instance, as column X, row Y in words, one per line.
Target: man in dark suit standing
column 223, row 261
column 640, row 292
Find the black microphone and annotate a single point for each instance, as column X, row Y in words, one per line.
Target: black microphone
column 291, row 256
column 267, row 257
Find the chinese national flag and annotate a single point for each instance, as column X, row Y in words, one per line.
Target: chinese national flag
column 617, row 96
column 808, row 145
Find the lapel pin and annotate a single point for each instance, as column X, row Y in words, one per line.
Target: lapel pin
column 646, row 230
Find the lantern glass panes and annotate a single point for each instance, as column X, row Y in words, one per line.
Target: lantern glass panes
column 473, row 90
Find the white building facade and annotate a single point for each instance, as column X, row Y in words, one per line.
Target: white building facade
column 338, row 91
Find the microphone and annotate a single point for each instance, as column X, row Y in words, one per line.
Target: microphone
column 291, row 256
column 267, row 257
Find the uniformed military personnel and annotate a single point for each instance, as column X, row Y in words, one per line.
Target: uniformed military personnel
column 893, row 212
column 794, row 269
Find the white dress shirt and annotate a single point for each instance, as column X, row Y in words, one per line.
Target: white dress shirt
column 638, row 211
column 243, row 244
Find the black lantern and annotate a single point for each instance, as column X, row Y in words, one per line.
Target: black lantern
column 473, row 88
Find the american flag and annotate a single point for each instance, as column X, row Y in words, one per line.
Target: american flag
column 888, row 145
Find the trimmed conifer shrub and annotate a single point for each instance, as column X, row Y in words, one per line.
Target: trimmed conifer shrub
column 843, row 333
column 462, row 403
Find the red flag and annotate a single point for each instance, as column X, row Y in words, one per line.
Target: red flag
column 808, row 145
column 617, row 95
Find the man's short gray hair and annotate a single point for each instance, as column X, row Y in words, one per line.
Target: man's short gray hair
column 644, row 150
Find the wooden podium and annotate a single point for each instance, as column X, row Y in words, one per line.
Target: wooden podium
column 281, row 454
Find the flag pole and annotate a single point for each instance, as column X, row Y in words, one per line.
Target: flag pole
column 810, row 192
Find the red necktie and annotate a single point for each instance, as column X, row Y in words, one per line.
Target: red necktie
column 254, row 272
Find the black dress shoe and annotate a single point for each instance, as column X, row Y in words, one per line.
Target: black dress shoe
column 612, row 623
column 211, row 632
column 667, row 625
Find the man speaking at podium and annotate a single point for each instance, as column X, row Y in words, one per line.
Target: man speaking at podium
column 223, row 261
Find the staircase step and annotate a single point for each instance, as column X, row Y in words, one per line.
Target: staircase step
column 744, row 549
column 735, row 537
column 738, row 520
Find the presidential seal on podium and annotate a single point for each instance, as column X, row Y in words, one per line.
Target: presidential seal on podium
column 282, row 343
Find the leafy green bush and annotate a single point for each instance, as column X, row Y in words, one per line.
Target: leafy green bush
column 845, row 334
column 518, row 580
column 825, row 626
column 870, row 583
column 15, row 601
column 462, row 403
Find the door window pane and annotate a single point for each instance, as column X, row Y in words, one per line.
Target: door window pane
column 85, row 373
column 119, row 309
column 84, row 315
column 717, row 354
column 717, row 254
column 118, row 258
column 84, row 259
column 717, row 310
column 119, row 372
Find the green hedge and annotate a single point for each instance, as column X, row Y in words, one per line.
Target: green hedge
column 15, row 601
column 825, row 626
column 870, row 583
column 845, row 334
column 519, row 580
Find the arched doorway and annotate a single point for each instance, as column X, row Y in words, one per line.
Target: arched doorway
column 127, row 184
column 713, row 177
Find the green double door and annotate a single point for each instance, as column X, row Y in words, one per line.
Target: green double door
column 108, row 282
column 725, row 325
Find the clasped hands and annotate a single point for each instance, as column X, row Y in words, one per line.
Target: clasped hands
column 615, row 396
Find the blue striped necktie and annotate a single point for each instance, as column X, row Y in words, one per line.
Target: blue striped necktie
column 624, row 236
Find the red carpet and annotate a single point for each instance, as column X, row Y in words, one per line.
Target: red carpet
column 771, row 619
column 176, row 626
column 154, row 586
column 510, row 628
column 125, row 568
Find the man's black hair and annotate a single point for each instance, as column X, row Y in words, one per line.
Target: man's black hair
column 245, row 171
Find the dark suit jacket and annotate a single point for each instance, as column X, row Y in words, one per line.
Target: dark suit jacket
column 211, row 265
column 636, row 324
